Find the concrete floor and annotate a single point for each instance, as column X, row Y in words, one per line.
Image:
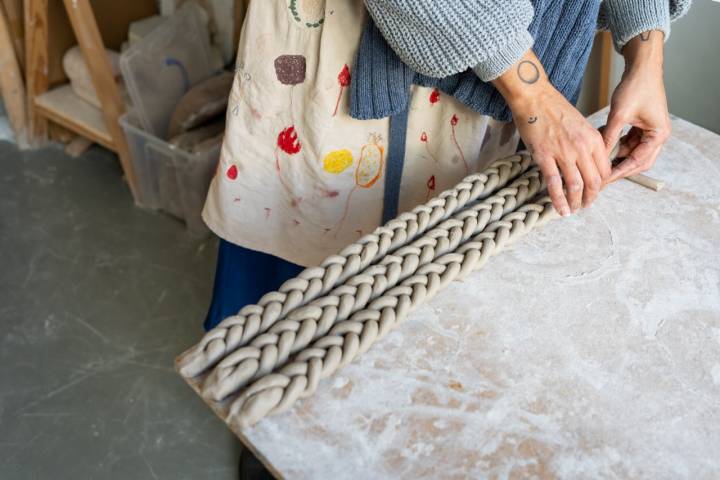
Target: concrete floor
column 96, row 299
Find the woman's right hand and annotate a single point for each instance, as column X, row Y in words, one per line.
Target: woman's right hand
column 567, row 149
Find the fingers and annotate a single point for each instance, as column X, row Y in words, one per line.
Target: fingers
column 551, row 174
column 599, row 156
column 642, row 155
column 583, row 167
column 573, row 183
column 602, row 163
column 592, row 180
column 644, row 166
column 623, row 169
column 629, row 142
column 612, row 130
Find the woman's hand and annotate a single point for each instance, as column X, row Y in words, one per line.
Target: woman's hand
column 560, row 139
column 639, row 101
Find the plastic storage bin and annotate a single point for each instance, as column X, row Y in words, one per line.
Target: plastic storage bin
column 169, row 178
column 161, row 67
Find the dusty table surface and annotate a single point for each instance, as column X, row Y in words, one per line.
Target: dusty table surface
column 589, row 349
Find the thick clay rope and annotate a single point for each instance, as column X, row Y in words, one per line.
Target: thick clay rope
column 276, row 392
column 238, row 330
column 269, row 350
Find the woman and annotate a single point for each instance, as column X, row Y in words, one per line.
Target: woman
column 299, row 177
column 311, row 160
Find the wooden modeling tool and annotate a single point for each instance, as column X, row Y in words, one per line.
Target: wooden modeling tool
column 640, row 179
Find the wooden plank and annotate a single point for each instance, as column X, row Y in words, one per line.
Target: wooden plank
column 36, row 65
column 91, row 44
column 78, row 146
column 13, row 10
column 606, row 49
column 11, row 85
column 62, row 106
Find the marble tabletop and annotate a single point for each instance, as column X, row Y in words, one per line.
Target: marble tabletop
column 590, row 349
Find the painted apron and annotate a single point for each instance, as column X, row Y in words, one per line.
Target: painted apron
column 299, row 178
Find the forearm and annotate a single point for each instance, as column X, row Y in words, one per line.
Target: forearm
column 523, row 82
column 645, row 53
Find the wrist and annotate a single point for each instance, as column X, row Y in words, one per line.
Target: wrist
column 645, row 53
column 523, row 81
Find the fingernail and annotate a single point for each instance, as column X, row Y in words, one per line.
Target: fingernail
column 565, row 212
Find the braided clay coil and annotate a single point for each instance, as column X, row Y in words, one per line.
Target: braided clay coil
column 271, row 354
column 276, row 392
column 269, row 350
column 240, row 329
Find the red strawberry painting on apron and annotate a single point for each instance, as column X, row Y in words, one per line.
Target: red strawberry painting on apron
column 289, row 70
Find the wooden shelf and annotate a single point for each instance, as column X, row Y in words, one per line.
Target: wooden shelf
column 63, row 106
column 53, row 26
column 75, row 21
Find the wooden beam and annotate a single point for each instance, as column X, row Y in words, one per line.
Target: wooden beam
column 91, row 44
column 36, row 65
column 11, row 84
column 13, row 10
column 606, row 50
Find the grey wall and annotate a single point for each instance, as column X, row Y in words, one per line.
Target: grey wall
column 692, row 65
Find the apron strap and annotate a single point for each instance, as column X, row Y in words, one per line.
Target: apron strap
column 395, row 162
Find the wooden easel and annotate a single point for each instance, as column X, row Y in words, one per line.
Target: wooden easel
column 11, row 78
column 47, row 37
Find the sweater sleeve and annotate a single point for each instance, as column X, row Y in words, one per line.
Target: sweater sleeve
column 626, row 19
column 439, row 38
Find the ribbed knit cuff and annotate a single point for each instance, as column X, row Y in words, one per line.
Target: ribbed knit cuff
column 629, row 18
column 497, row 64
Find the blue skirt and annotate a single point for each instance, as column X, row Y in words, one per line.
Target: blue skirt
column 242, row 276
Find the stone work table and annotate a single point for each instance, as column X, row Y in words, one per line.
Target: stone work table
column 591, row 349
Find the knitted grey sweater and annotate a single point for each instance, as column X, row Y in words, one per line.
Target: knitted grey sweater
column 439, row 38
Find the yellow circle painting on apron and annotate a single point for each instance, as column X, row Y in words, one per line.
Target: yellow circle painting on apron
column 337, row 161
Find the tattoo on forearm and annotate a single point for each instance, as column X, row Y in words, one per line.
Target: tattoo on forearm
column 528, row 72
column 532, row 120
column 645, row 36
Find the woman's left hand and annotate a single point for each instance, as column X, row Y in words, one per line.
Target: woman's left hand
column 639, row 101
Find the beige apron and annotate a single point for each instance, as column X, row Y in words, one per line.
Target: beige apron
column 298, row 177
